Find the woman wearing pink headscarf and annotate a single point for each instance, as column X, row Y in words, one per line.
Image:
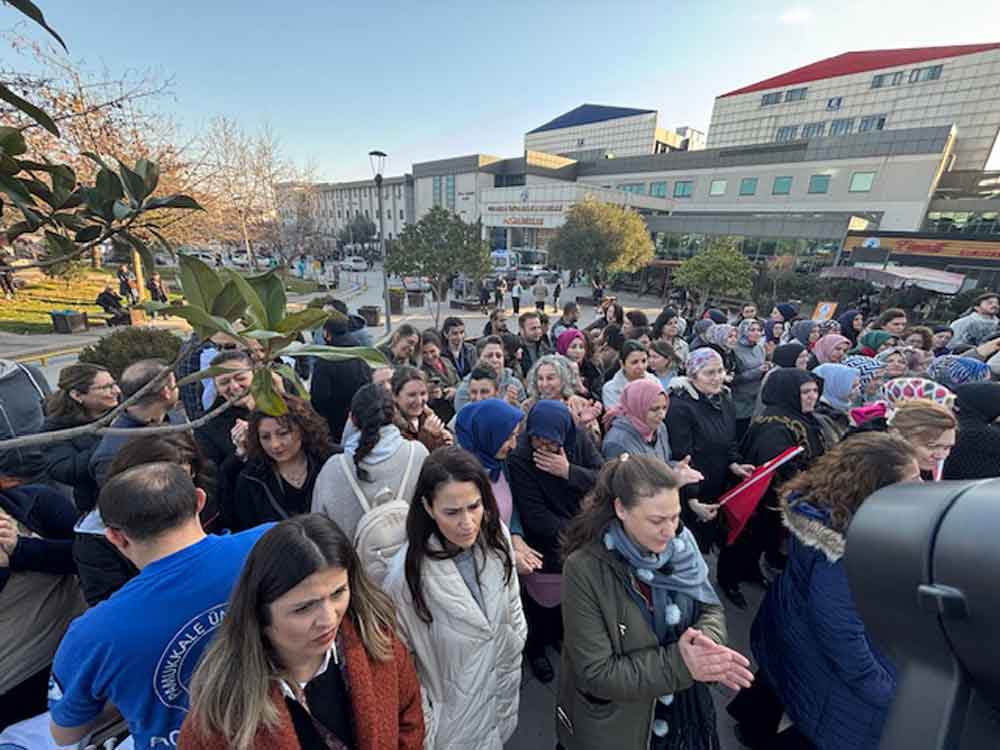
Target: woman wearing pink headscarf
column 829, row 350
column 575, row 346
column 636, row 424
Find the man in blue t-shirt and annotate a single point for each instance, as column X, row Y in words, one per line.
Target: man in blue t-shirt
column 136, row 651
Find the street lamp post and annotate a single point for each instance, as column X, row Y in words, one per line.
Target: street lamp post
column 377, row 160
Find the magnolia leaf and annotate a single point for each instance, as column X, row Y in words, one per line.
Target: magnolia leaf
column 145, row 254
column 12, row 141
column 302, row 320
column 265, row 396
column 229, row 303
column 32, row 11
column 149, row 171
column 174, row 201
column 135, row 186
column 289, row 374
column 271, row 291
column 205, row 325
column 88, row 233
column 29, row 109
column 201, row 285
column 109, row 186
column 254, row 305
column 372, row 356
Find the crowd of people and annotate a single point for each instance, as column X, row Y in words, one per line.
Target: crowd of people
column 374, row 567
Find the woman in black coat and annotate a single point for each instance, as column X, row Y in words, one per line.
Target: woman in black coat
column 789, row 397
column 284, row 457
column 86, row 393
column 551, row 470
column 976, row 454
column 701, row 422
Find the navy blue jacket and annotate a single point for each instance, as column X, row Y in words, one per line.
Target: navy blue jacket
column 811, row 643
column 46, row 512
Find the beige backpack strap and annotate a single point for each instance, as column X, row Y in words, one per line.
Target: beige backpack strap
column 406, row 473
column 349, row 473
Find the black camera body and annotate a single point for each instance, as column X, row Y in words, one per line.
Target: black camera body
column 923, row 560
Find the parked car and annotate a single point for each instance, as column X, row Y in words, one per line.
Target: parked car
column 354, row 263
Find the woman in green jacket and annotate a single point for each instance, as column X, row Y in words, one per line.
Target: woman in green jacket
column 644, row 628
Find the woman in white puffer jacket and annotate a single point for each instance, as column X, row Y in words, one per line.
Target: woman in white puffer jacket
column 458, row 606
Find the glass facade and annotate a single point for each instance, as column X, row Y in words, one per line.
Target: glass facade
column 861, row 182
column 819, row 183
column 449, row 192
column 842, row 126
column 810, row 253
column 436, row 189
column 963, row 222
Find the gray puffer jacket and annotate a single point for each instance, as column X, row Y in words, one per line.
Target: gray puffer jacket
column 23, row 390
column 746, row 383
column 623, row 437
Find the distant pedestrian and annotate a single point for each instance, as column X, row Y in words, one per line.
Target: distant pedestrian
column 7, row 279
column 515, row 296
column 557, row 294
column 541, row 294
column 484, row 297
column 126, row 282
column 499, row 293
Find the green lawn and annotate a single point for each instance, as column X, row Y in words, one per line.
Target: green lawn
column 29, row 312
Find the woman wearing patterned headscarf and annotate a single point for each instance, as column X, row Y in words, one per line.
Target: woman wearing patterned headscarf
column 701, row 422
column 871, row 375
column 723, row 338
column 952, row 371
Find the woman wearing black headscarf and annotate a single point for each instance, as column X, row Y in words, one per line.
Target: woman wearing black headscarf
column 791, row 355
column 551, row 470
column 976, row 454
column 789, row 396
column 852, row 322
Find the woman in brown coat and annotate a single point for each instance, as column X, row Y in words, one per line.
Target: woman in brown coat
column 307, row 657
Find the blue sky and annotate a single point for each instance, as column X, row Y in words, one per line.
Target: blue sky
column 427, row 80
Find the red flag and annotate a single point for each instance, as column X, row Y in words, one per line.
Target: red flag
column 742, row 500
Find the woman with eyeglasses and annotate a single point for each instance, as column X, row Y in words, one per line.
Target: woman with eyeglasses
column 86, row 393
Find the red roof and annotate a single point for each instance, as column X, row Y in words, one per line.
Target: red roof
column 860, row 62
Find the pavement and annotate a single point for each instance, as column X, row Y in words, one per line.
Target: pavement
column 536, row 726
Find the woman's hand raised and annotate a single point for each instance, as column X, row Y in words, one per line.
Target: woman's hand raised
column 709, row 661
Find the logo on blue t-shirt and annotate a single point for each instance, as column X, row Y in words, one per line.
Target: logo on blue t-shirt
column 172, row 678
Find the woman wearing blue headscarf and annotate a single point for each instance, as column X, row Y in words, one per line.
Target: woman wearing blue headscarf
column 488, row 429
column 841, row 392
column 551, row 470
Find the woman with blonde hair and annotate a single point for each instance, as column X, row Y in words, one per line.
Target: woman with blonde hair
column 307, row 655
column 931, row 428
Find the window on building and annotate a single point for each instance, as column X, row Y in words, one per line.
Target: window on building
column 402, row 216
column 814, row 130
column 897, row 78
column 819, row 183
column 658, row 189
column 579, row 141
column 781, row 186
column 633, row 187
column 436, row 190
column 768, row 99
column 683, row 189
column 932, row 73
column 880, row 80
column 339, row 215
column 717, row 188
column 872, row 122
column 366, row 214
column 388, row 214
column 914, row 75
column 787, row 133
column 795, row 95
column 834, row 102
column 861, row 182
column 842, row 126
column 748, row 186
column 449, row 191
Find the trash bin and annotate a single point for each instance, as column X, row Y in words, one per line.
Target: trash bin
column 396, row 297
column 415, row 299
column 68, row 321
column 372, row 315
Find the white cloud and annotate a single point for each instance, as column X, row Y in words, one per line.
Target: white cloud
column 796, row 16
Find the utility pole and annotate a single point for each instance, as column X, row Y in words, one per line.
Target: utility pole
column 377, row 159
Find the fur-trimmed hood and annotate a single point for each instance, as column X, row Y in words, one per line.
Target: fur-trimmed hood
column 810, row 525
column 683, row 384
